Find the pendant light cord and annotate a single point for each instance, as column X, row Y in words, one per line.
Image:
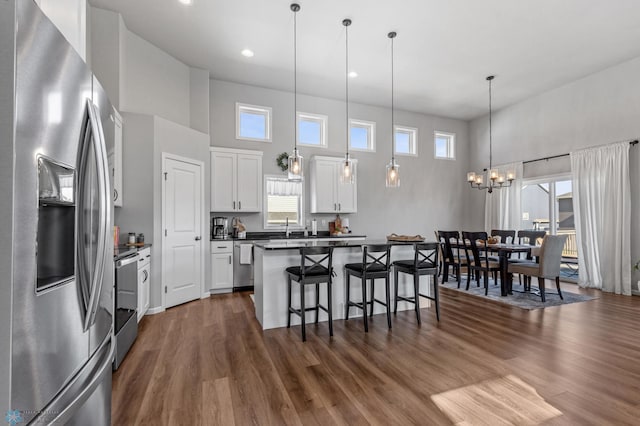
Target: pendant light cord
column 393, row 130
column 490, row 137
column 346, row 24
column 295, row 79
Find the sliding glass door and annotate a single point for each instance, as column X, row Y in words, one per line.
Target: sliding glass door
column 547, row 204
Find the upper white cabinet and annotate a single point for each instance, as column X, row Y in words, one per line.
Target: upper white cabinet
column 328, row 194
column 116, row 168
column 236, row 180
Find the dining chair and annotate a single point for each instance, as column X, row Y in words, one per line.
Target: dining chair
column 451, row 250
column 506, row 236
column 548, row 267
column 530, row 237
column 424, row 262
column 478, row 258
column 315, row 268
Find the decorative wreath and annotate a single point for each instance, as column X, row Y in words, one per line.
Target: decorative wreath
column 282, row 161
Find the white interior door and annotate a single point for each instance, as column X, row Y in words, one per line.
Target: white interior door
column 182, row 244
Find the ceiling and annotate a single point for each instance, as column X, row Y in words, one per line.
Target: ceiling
column 443, row 51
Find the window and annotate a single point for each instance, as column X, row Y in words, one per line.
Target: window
column 312, row 129
column 284, row 200
column 406, row 140
column 253, row 122
column 362, row 135
column 444, row 145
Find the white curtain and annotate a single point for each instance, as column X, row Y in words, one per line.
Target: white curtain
column 602, row 212
column 277, row 186
column 502, row 208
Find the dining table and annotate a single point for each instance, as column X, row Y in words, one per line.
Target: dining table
column 504, row 250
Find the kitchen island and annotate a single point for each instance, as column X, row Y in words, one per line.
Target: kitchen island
column 270, row 279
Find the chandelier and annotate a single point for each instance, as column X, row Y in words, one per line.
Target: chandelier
column 496, row 178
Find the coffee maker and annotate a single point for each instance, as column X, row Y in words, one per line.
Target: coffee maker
column 220, row 227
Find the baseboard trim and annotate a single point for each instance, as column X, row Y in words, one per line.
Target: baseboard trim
column 220, row 291
column 156, row 310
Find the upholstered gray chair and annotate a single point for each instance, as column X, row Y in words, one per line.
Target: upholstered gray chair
column 549, row 266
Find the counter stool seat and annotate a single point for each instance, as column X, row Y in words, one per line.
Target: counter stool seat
column 318, row 269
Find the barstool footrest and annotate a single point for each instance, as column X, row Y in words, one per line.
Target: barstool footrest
column 407, row 299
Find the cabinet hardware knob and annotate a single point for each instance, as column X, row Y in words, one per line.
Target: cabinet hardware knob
column 197, row 238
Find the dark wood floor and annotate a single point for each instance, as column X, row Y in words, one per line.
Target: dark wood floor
column 209, row 362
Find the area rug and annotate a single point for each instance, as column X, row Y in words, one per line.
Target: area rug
column 519, row 298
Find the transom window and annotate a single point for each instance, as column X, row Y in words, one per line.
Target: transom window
column 284, row 201
column 444, row 145
column 312, row 129
column 253, row 122
column 362, row 135
column 406, row 140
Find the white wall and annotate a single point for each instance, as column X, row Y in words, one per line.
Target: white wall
column 70, row 16
column 595, row 110
column 432, row 192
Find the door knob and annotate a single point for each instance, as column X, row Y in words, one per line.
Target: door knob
column 197, row 238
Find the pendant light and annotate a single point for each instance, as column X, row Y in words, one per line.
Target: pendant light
column 347, row 169
column 496, row 179
column 295, row 169
column 393, row 172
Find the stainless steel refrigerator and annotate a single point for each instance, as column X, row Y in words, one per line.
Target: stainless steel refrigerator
column 56, row 250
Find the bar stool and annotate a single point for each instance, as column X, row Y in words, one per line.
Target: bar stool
column 376, row 259
column 318, row 270
column 424, row 262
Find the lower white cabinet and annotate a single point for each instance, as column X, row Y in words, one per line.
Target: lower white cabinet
column 221, row 265
column 144, row 280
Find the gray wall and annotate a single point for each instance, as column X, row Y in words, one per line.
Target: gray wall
column 199, row 99
column 7, row 102
column 432, row 192
column 153, row 82
column 595, row 110
column 105, row 35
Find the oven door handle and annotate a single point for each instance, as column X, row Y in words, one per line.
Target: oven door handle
column 127, row 261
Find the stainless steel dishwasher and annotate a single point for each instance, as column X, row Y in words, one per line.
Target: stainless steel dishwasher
column 242, row 273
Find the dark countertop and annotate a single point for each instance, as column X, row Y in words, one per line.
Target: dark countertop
column 124, row 251
column 262, row 236
column 340, row 242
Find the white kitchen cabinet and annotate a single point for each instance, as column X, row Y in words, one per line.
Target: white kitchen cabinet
column 144, row 281
column 328, row 194
column 236, row 180
column 116, row 169
column 221, row 266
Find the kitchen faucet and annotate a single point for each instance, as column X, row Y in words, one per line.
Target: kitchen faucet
column 286, row 228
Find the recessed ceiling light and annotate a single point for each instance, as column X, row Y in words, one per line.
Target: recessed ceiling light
column 353, row 74
column 187, row 2
column 247, row 52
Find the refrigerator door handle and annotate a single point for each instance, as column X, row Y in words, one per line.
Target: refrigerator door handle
column 97, row 138
column 64, row 409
